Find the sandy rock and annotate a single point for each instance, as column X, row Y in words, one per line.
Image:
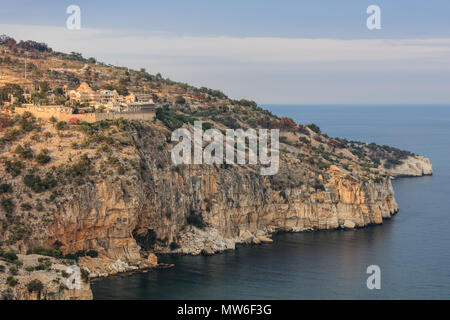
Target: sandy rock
column 256, row 240
column 246, row 237
column 152, row 260
column 264, row 239
column 349, row 224
column 416, row 166
column 208, row 251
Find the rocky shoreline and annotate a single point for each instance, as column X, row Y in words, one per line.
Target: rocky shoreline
column 157, row 208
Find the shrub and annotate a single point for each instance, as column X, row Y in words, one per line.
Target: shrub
column 26, row 206
column 50, row 252
column 9, row 256
column 24, row 152
column 196, row 219
column 6, row 188
column 43, row 266
column 378, row 179
column 314, row 127
column 43, row 157
column 61, row 125
column 27, row 122
column 180, row 100
column 174, row 245
column 171, row 119
column 39, row 206
column 35, row 286
column 92, row 253
column 2, row 268
column 14, row 167
column 8, row 205
column 18, row 263
column 11, row 281
column 58, row 244
column 84, row 275
column 13, row 270
column 81, row 167
column 147, row 240
column 11, row 135
column 29, row 269
column 37, row 184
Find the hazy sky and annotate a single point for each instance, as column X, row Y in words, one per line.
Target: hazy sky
column 270, row 51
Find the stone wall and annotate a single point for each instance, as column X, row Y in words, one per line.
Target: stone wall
column 61, row 114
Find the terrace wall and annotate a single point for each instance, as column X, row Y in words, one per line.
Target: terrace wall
column 48, row 112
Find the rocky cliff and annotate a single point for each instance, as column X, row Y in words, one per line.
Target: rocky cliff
column 149, row 211
column 119, row 197
column 147, row 205
column 107, row 197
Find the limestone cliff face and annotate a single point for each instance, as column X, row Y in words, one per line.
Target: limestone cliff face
column 237, row 204
column 414, row 166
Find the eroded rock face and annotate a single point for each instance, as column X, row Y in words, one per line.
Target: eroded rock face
column 416, row 166
column 236, row 203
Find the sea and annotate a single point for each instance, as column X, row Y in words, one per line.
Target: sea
column 412, row 250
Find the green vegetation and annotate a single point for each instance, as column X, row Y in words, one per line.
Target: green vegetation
column 14, row 166
column 314, row 128
column 84, row 275
column 24, row 152
column 43, row 157
column 174, row 245
column 37, row 184
column 92, row 254
column 146, row 240
column 6, row 188
column 50, row 252
column 35, row 286
column 8, row 256
column 196, row 219
column 62, row 125
column 11, row 281
column 13, row 270
column 81, row 167
column 26, row 206
column 8, row 205
column 171, row 119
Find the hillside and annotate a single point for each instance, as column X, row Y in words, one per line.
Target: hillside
column 106, row 195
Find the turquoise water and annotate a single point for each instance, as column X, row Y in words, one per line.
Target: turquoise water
column 412, row 249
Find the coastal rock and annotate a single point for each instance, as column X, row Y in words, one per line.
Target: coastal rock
column 415, row 166
column 264, row 239
column 236, row 205
column 152, row 260
column 208, row 251
column 246, row 237
column 349, row 224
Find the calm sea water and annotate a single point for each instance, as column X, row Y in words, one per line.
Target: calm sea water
column 412, row 249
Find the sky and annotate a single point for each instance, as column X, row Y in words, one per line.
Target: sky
column 284, row 51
